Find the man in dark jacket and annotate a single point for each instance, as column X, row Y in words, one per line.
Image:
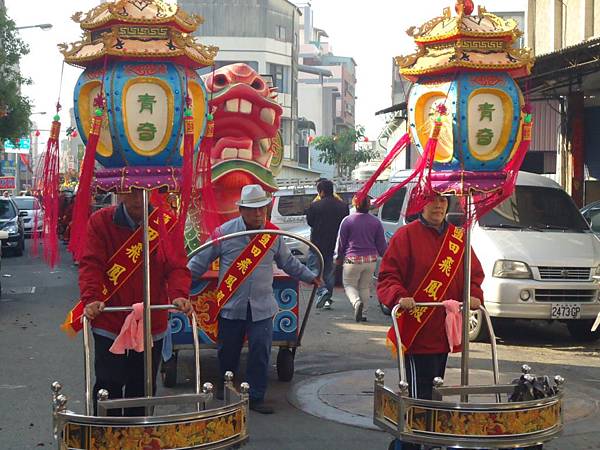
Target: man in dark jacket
column 324, row 217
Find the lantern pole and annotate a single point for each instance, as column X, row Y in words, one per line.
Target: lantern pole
column 147, row 312
column 464, row 374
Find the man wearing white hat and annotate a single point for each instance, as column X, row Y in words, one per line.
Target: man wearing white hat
column 245, row 290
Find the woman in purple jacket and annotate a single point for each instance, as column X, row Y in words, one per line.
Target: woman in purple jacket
column 361, row 239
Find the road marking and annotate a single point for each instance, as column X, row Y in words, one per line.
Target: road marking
column 21, row 290
column 12, row 386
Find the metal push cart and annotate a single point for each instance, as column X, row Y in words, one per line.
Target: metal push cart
column 464, row 423
column 288, row 328
column 207, row 423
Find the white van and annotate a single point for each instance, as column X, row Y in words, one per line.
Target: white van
column 540, row 258
column 290, row 205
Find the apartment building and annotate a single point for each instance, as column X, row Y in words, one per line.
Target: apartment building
column 265, row 35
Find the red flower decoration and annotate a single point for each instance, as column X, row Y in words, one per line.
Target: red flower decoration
column 441, row 109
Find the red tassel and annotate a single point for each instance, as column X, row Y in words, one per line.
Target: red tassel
column 396, row 150
column 424, row 162
column 81, row 208
column 50, row 182
column 187, row 177
column 209, row 217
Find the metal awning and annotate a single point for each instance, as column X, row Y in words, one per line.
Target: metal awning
column 393, row 108
column 570, row 69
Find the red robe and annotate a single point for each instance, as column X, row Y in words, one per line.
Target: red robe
column 410, row 254
column 169, row 275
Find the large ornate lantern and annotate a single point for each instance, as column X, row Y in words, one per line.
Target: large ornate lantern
column 141, row 57
column 139, row 105
column 466, row 113
column 463, row 74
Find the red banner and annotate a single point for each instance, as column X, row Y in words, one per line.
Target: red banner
column 209, row 301
column 432, row 288
column 121, row 266
column 7, row 183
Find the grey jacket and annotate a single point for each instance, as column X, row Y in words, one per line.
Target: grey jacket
column 257, row 289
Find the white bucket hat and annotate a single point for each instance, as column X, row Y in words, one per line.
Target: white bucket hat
column 253, row 196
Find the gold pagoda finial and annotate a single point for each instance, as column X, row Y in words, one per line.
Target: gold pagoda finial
column 464, row 7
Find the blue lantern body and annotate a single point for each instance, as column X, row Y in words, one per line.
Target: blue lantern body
column 481, row 129
column 145, row 105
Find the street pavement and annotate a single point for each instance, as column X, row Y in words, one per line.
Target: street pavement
column 326, row 406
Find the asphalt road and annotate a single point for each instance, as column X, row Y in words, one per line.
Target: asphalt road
column 34, row 352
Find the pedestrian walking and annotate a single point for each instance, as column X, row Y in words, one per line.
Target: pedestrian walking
column 245, row 290
column 423, row 263
column 361, row 240
column 324, row 217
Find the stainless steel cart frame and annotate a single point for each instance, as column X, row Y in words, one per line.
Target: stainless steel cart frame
column 210, row 424
column 287, row 348
column 464, row 423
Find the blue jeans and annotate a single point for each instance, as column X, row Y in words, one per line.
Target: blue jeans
column 328, row 271
column 229, row 348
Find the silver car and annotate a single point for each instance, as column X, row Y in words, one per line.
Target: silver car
column 31, row 212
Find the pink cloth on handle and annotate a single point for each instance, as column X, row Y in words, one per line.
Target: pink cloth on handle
column 131, row 336
column 453, row 324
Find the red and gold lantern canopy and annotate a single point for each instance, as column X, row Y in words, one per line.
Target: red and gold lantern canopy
column 140, row 57
column 465, row 65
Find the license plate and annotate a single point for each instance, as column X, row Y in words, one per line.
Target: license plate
column 566, row 311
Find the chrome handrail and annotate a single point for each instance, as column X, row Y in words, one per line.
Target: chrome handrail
column 87, row 364
column 400, row 351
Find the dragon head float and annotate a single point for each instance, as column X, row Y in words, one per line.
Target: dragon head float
column 247, row 145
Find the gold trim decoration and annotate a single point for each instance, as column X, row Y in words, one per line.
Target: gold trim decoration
column 198, row 433
column 484, row 25
column 198, row 109
column 138, row 11
column 467, row 65
column 112, row 44
column 86, row 116
column 170, row 114
column 426, row 127
column 483, row 423
column 150, row 29
column 482, row 42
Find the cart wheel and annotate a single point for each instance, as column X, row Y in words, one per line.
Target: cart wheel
column 285, row 364
column 169, row 371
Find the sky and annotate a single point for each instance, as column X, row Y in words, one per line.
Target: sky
column 371, row 31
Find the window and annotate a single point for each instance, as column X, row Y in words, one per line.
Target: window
column 286, row 131
column 534, row 207
column 294, row 205
column 390, row 211
column 27, row 203
column 280, row 78
column 280, row 33
column 7, row 210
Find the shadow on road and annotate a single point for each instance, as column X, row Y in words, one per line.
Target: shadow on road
column 551, row 335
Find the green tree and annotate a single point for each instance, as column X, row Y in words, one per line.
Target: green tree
column 340, row 150
column 15, row 109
